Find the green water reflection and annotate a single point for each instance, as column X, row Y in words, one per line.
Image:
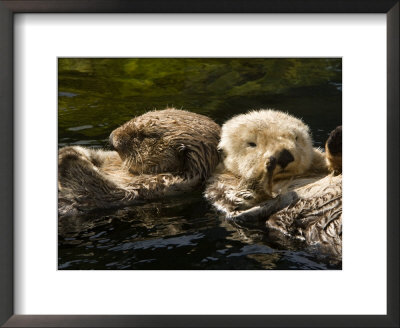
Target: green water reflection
column 97, row 95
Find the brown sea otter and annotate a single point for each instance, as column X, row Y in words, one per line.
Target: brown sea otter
column 157, row 154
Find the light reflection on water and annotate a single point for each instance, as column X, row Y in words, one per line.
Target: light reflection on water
column 180, row 233
column 183, row 232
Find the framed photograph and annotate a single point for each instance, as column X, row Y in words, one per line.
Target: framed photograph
column 125, row 205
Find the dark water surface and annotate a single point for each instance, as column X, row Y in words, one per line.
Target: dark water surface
column 98, row 95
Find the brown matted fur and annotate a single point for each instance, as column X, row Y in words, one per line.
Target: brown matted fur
column 158, row 154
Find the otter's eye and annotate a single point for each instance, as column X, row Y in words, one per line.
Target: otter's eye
column 297, row 138
column 252, row 144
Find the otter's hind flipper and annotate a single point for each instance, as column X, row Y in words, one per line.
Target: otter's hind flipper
column 81, row 185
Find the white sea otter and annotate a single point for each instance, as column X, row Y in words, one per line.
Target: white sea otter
column 271, row 173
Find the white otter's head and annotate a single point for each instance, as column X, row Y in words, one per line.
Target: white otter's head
column 265, row 146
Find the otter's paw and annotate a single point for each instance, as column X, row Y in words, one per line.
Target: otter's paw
column 333, row 150
column 242, row 199
column 245, row 194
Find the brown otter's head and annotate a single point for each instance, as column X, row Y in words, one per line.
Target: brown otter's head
column 266, row 145
column 333, row 150
column 170, row 140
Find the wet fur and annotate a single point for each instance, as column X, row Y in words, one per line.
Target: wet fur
column 299, row 205
column 160, row 153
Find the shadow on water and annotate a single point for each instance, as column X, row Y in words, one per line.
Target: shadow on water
column 180, row 233
column 97, row 95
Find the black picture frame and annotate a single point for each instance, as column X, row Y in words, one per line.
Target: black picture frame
column 11, row 7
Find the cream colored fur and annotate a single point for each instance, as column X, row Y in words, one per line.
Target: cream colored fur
column 293, row 194
column 271, row 132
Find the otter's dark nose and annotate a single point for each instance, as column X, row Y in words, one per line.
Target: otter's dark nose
column 284, row 158
column 271, row 164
